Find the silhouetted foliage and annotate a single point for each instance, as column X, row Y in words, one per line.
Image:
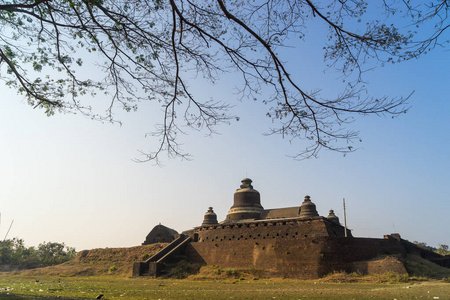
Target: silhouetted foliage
column 149, row 50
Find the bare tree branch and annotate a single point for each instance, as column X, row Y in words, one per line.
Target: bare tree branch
column 151, row 49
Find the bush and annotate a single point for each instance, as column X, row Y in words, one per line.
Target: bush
column 112, row 269
column 233, row 272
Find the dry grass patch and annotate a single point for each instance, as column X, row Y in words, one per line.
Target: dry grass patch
column 108, row 261
column 227, row 274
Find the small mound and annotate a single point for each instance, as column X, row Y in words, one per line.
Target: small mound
column 112, row 261
column 381, row 265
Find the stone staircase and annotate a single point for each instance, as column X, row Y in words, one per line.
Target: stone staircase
column 155, row 264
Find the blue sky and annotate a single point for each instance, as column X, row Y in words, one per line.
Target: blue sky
column 70, row 179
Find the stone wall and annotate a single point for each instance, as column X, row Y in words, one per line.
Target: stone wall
column 302, row 257
column 272, row 255
column 271, row 229
column 341, row 253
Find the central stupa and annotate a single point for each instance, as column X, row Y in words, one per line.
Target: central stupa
column 247, row 203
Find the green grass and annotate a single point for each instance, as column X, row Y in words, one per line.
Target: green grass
column 146, row 288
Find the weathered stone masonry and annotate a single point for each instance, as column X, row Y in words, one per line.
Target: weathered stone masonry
column 270, row 229
column 291, row 242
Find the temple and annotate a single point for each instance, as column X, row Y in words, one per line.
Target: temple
column 293, row 242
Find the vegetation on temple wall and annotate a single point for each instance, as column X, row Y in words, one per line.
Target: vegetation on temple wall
column 14, row 252
column 150, row 50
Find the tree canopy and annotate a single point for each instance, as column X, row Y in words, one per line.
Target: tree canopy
column 149, row 50
column 14, row 252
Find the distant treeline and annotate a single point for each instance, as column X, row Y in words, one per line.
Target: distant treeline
column 442, row 250
column 14, row 252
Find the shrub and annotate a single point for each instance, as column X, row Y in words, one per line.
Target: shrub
column 232, row 272
column 112, row 269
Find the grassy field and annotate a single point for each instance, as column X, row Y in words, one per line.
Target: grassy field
column 19, row 287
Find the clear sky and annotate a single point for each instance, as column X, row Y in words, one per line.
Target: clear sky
column 70, row 179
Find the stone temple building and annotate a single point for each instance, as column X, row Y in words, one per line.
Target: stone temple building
column 248, row 216
column 291, row 242
column 160, row 234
